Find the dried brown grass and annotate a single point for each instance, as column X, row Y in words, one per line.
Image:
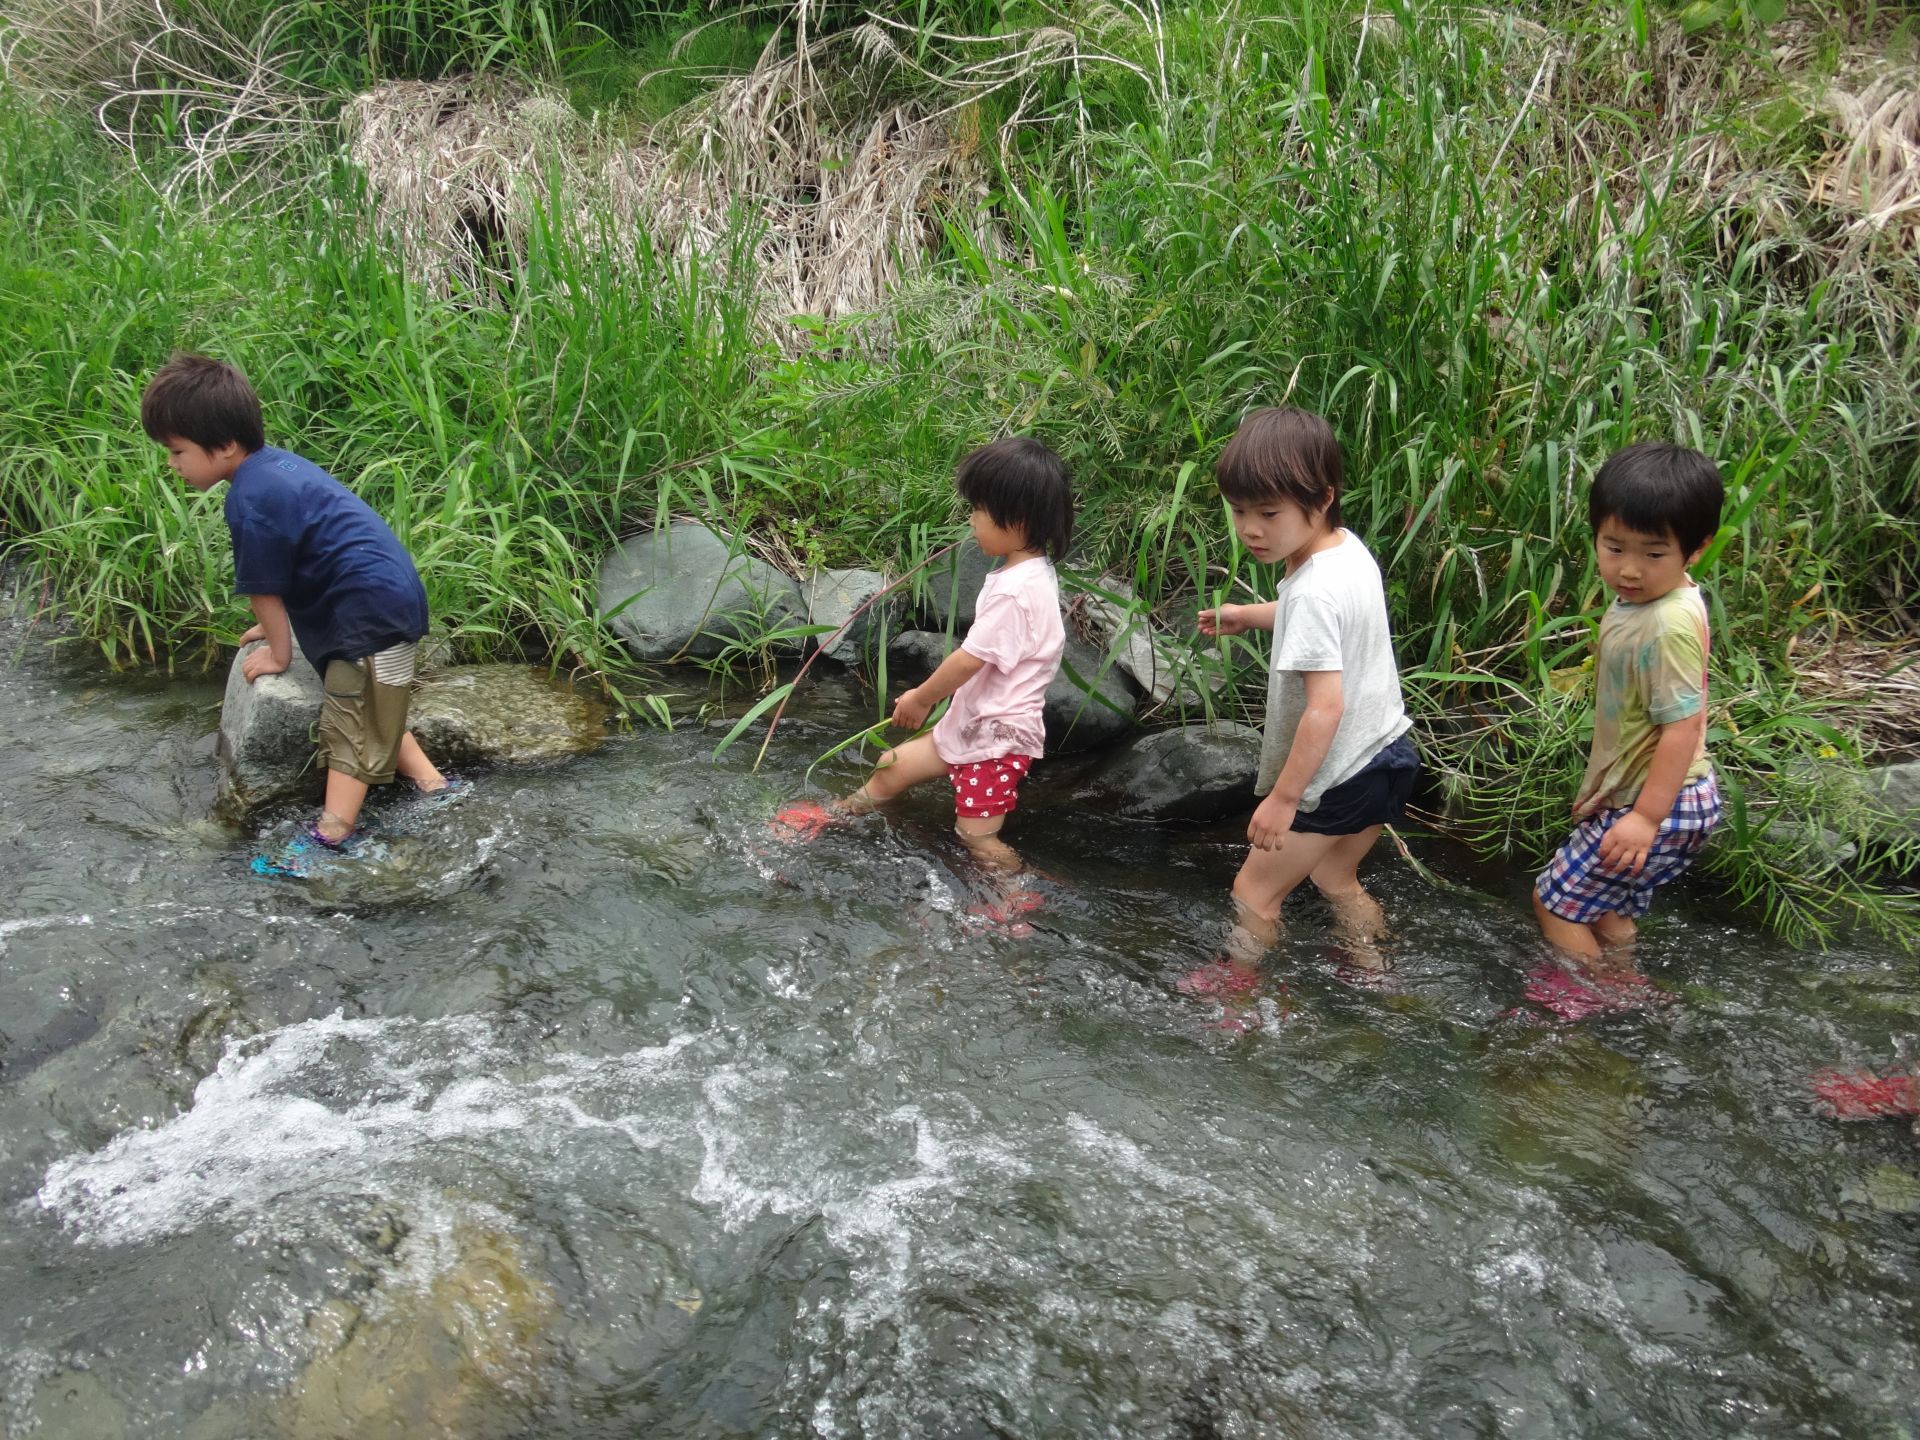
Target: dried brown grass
column 1876, row 680
column 225, row 106
column 1873, row 173
column 842, row 195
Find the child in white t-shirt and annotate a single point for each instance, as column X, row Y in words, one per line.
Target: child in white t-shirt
column 1336, row 764
column 1022, row 513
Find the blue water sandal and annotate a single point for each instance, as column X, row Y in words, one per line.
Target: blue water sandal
column 300, row 856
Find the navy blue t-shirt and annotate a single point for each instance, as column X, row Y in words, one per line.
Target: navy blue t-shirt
column 348, row 583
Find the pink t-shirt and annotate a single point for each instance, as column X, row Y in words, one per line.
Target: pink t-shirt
column 1017, row 631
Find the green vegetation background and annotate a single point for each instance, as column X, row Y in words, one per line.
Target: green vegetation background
column 1491, row 244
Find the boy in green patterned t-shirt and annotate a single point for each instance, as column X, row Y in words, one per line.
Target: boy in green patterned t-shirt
column 1649, row 799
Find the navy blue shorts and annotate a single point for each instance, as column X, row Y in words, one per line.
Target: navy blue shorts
column 1376, row 794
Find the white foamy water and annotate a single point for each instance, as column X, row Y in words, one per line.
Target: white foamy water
column 277, row 1125
column 10, row 928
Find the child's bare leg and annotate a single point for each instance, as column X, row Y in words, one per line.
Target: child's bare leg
column 1357, row 915
column 1569, row 935
column 1265, row 880
column 899, row 770
column 1252, row 936
column 982, row 836
column 345, row 796
column 413, row 763
column 1613, row 931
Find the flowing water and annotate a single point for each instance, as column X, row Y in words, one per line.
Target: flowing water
column 587, row 1111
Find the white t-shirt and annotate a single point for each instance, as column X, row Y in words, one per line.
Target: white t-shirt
column 1017, row 630
column 1331, row 614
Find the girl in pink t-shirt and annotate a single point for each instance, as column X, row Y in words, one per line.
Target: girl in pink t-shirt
column 1022, row 506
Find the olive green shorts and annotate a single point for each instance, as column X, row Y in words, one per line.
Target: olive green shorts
column 362, row 722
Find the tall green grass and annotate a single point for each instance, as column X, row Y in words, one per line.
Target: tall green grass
column 1394, row 224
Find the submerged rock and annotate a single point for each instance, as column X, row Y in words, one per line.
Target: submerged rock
column 682, row 592
column 1197, row 772
column 503, row 714
column 461, row 1359
column 470, row 714
column 1075, row 719
column 832, row 597
column 266, row 733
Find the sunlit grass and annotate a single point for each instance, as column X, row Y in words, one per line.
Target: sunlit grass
column 1488, row 271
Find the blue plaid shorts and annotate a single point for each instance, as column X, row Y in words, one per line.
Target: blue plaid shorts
column 1574, row 885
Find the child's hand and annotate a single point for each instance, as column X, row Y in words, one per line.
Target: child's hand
column 1626, row 845
column 910, row 711
column 1272, row 820
column 254, row 632
column 261, row 662
column 1223, row 620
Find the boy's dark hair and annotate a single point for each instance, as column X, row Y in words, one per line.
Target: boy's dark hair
column 1659, row 489
column 207, row 401
column 1283, row 453
column 1022, row 485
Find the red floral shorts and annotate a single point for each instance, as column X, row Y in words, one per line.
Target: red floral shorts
column 987, row 788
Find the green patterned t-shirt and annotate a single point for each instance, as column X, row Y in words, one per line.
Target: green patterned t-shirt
column 1650, row 670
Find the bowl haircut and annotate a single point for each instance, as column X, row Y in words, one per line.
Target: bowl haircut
column 206, row 401
column 1022, row 485
column 1659, row 489
column 1283, row 453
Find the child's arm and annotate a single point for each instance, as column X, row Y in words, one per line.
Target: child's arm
column 273, row 627
column 1326, row 703
column 1627, row 842
column 910, row 711
column 1237, row 619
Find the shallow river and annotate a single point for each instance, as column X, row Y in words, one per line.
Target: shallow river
column 591, row 1113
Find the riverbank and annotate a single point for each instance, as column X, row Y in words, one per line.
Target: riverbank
column 1489, row 248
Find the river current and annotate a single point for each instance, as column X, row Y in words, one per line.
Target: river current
column 586, row 1110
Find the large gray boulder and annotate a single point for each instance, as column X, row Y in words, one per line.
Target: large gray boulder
column 469, row 714
column 832, row 597
column 1078, row 720
column 1165, row 668
column 503, row 715
column 1075, row 719
column 1896, row 789
column 682, row 592
column 266, row 733
column 948, row 589
column 1196, row 772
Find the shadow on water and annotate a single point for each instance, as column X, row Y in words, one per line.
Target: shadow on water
column 588, row 1109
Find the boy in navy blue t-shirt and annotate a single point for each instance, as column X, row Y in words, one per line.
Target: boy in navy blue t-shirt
column 316, row 564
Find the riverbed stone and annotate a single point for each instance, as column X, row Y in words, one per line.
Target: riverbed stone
column 461, row 1359
column 1897, row 789
column 1152, row 659
column 1075, row 720
column 949, row 587
column 682, row 592
column 266, row 733
column 1195, row 772
column 463, row 715
column 503, row 714
column 832, row 597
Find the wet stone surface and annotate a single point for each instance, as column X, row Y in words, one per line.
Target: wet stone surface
column 503, row 714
